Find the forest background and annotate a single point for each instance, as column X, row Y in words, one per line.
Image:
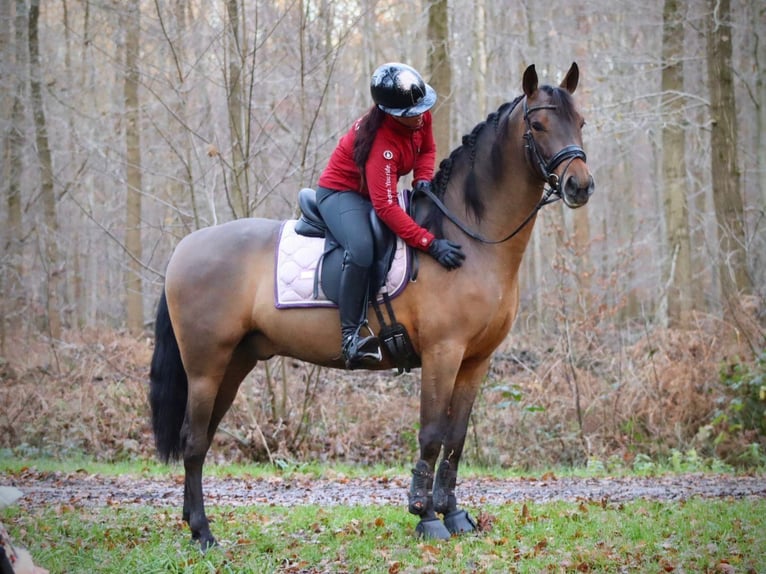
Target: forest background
column 127, row 125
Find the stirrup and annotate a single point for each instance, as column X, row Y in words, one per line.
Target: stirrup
column 358, row 349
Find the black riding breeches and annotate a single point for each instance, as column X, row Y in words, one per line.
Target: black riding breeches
column 347, row 215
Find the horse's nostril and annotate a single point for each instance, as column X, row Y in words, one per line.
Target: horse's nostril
column 572, row 185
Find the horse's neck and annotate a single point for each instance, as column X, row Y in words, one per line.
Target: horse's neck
column 509, row 200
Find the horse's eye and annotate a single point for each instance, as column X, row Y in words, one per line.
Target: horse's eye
column 538, row 127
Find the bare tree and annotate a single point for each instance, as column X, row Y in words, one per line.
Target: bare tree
column 133, row 282
column 49, row 230
column 238, row 117
column 759, row 9
column 440, row 72
column 727, row 195
column 679, row 300
column 11, row 260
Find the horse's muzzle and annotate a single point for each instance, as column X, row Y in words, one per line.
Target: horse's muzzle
column 576, row 191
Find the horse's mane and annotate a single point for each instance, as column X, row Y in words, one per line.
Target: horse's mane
column 497, row 120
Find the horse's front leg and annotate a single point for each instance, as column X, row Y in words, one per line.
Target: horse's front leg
column 469, row 379
column 437, row 380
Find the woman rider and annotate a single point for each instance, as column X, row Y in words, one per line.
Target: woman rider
column 393, row 138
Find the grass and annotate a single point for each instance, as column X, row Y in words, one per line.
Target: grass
column 641, row 465
column 698, row 535
column 642, row 536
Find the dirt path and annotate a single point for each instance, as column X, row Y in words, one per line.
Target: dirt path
column 82, row 489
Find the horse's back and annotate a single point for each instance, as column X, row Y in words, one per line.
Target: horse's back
column 223, row 249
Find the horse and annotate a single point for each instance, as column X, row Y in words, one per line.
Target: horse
column 217, row 316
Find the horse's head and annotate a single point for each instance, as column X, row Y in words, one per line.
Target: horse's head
column 553, row 137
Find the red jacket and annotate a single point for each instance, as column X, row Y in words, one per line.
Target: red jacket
column 396, row 151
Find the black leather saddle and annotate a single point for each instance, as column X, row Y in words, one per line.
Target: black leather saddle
column 311, row 224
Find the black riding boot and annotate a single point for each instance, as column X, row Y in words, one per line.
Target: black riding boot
column 352, row 301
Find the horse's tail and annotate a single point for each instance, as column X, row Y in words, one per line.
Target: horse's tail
column 169, row 387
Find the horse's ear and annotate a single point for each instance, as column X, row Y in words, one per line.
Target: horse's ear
column 570, row 80
column 530, row 80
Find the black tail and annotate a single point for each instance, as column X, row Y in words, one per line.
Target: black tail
column 169, row 387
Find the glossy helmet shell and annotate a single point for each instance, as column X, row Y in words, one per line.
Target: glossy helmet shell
column 399, row 90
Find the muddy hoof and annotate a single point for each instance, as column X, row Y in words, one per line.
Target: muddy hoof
column 432, row 528
column 459, row 522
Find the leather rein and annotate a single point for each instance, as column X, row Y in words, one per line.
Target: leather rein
column 545, row 170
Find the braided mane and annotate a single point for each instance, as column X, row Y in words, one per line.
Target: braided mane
column 467, row 150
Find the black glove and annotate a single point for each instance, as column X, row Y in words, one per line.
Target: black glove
column 447, row 252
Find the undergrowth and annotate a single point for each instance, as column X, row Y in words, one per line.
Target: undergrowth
column 687, row 399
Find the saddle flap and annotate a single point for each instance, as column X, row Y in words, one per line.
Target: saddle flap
column 385, row 249
column 310, row 222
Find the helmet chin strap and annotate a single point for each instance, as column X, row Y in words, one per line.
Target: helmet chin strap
column 413, row 126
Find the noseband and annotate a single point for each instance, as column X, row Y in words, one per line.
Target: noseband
column 545, row 169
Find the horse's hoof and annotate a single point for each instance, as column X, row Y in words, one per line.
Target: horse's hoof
column 432, row 528
column 205, row 542
column 459, row 522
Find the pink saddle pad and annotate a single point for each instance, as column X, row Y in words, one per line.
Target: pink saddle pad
column 296, row 266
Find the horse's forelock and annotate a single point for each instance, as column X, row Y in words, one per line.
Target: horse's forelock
column 563, row 101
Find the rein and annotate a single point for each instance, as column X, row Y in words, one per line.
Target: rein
column 546, row 199
column 552, row 193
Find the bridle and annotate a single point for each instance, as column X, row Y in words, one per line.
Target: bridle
column 545, row 170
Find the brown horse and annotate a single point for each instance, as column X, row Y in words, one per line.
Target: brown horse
column 217, row 315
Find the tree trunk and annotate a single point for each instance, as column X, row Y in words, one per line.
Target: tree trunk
column 674, row 167
column 133, row 287
column 479, row 76
column 12, row 107
column 581, row 217
column 759, row 8
column 50, row 229
column 369, row 46
column 727, row 197
column 440, row 73
column 237, row 184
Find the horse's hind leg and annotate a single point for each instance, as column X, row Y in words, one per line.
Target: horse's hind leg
column 196, row 441
column 444, row 499
column 208, row 402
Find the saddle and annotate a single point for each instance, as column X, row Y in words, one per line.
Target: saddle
column 393, row 334
column 311, row 224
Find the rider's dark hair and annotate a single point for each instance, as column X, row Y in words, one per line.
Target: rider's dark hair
column 365, row 135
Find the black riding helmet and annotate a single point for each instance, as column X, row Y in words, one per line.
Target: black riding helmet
column 399, row 90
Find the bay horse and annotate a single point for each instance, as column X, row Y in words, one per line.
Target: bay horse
column 217, row 315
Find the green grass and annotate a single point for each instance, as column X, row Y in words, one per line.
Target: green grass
column 698, row 535
column 642, row 465
column 643, row 536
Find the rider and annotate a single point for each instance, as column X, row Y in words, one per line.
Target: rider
column 393, row 138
